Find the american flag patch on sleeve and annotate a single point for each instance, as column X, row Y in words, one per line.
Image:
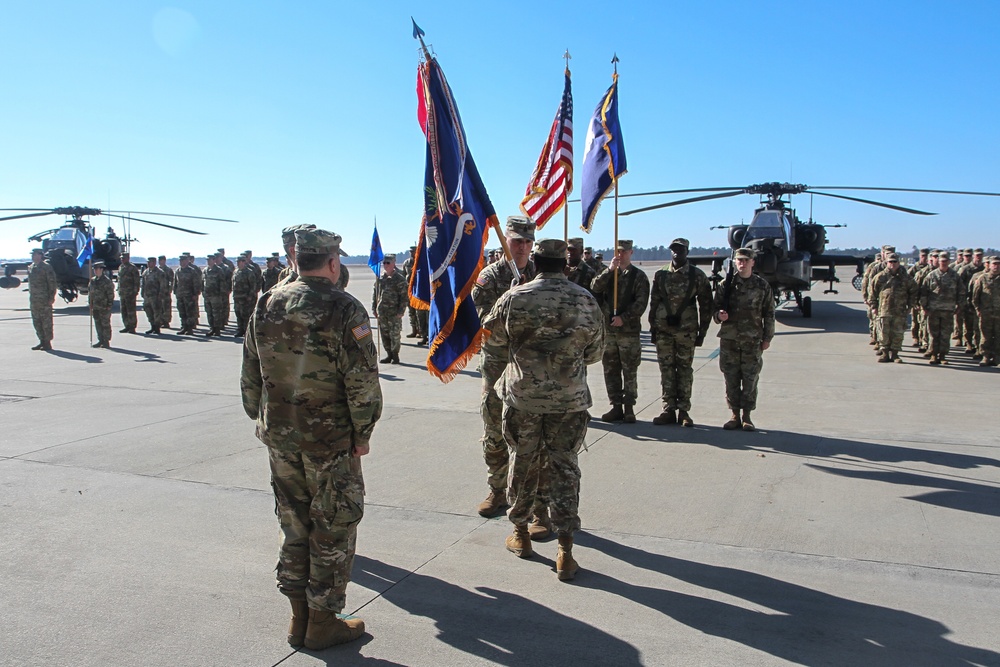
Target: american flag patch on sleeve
column 361, row 331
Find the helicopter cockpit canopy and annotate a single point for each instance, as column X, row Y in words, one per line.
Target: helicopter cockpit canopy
column 67, row 238
column 770, row 225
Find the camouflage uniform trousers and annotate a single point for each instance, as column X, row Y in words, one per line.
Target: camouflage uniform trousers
column 422, row 322
column 130, row 319
column 102, row 325
column 495, row 451
column 226, row 310
column 244, row 311
column 152, row 309
column 41, row 317
column 414, row 325
column 215, row 311
column 916, row 314
column 741, row 363
column 939, row 328
column 166, row 311
column 187, row 310
column 891, row 328
column 959, row 329
column 541, row 443
column 622, row 354
column 973, row 335
column 675, row 356
column 989, row 343
column 319, row 500
column 390, row 329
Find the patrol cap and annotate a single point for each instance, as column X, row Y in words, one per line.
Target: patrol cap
column 588, row 249
column 38, row 250
column 925, row 251
column 889, row 248
column 993, row 259
column 550, row 249
column 248, row 253
column 978, row 251
column 519, row 227
column 316, row 242
column 221, row 250
column 624, row 244
column 967, row 251
column 575, row 243
column 98, row 264
column 163, row 257
column 150, row 259
column 390, row 257
column 944, row 254
column 681, row 242
column 413, row 248
column 288, row 233
column 241, row 258
column 892, row 257
column 743, row 253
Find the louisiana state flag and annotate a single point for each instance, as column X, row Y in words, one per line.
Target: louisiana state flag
column 454, row 229
column 603, row 156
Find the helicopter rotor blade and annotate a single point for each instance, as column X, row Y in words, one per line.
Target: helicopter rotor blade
column 873, row 203
column 174, row 215
column 721, row 195
column 26, row 215
column 663, row 192
column 940, row 192
column 158, row 224
column 27, row 209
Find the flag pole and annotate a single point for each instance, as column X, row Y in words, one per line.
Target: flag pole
column 614, row 306
column 566, row 57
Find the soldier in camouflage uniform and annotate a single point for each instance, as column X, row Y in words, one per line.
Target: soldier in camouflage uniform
column 42, row 288
column 344, row 277
column 580, row 272
column 199, row 285
column 128, row 290
column 154, row 283
column 913, row 270
column 411, row 311
column 257, row 273
column 549, row 330
column 187, row 287
column 271, row 273
column 310, row 380
column 893, row 293
column 389, row 301
column 592, row 262
column 871, row 271
column 215, row 293
column 970, row 328
column 493, row 281
column 932, row 263
column 986, row 301
column 229, row 267
column 941, row 294
column 963, row 258
column 166, row 305
column 244, row 294
column 101, row 295
column 745, row 309
column 680, row 311
column 623, row 350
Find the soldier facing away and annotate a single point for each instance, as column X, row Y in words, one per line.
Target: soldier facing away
column 42, row 287
column 310, row 380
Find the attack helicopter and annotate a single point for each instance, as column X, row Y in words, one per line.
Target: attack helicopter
column 71, row 247
column 789, row 253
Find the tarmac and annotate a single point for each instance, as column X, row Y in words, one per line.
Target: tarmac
column 858, row 526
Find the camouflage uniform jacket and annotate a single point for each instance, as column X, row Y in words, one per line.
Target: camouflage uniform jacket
column 244, row 283
column 154, row 284
column 228, row 266
column 549, row 330
column 893, row 293
column 942, row 290
column 751, row 310
column 343, row 278
column 631, row 305
column 169, row 273
column 310, row 375
column 915, row 269
column 986, row 293
column 101, row 294
column 968, row 273
column 42, row 283
column 390, row 297
column 186, row 282
column 493, row 282
column 258, row 275
column 582, row 274
column 128, row 280
column 671, row 289
column 271, row 277
column 595, row 264
column 922, row 273
column 201, row 274
column 230, row 271
column 871, row 271
column 215, row 281
column 408, row 268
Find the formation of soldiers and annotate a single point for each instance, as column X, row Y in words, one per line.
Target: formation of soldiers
column 947, row 302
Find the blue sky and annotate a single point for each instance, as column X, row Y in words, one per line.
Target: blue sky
column 279, row 113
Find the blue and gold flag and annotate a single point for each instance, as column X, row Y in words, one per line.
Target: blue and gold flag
column 376, row 255
column 603, row 155
column 454, row 229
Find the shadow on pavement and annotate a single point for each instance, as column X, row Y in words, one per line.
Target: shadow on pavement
column 792, row 622
column 72, row 356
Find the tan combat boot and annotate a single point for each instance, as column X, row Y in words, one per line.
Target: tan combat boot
column 629, row 417
column 540, row 526
column 733, row 423
column 684, row 419
column 494, row 504
column 519, row 542
column 747, row 424
column 665, row 417
column 884, row 357
column 566, row 565
column 616, row 414
column 300, row 621
column 327, row 628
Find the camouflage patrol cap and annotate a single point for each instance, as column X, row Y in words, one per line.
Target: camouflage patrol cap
column 550, row 249
column 681, row 242
column 288, row 233
column 978, row 251
column 150, row 259
column 575, row 243
column 37, row 250
column 413, row 248
column 888, row 248
column 221, row 250
column 519, row 227
column 967, row 251
column 925, row 251
column 993, row 259
column 944, row 254
column 588, row 249
column 892, row 257
column 743, row 253
column 316, row 242
column 241, row 258
column 98, row 264
column 624, row 244
column 389, row 257
column 163, row 257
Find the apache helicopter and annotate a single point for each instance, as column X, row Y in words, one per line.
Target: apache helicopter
column 71, row 247
column 789, row 253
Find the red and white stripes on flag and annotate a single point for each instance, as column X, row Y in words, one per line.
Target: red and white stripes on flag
column 552, row 180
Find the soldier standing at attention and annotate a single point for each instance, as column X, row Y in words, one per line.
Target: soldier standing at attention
column 986, row 301
column 548, row 330
column 345, row 276
column 932, row 263
column 580, row 272
column 167, row 306
column 244, row 295
column 310, row 380
column 623, row 350
column 199, row 285
column 407, row 274
column 680, row 311
column 588, row 257
column 42, row 287
column 963, row 258
column 941, row 294
column 271, row 273
column 128, row 290
column 971, row 326
column 101, row 295
column 893, row 293
column 389, row 303
column 154, row 283
column 745, row 309
column 225, row 261
column 494, row 281
column 187, row 285
column 214, row 291
column 870, row 272
column 253, row 266
column 914, row 270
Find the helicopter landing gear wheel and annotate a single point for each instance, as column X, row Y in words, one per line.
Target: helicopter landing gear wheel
column 807, row 306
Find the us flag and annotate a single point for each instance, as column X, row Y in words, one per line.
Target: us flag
column 552, row 180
